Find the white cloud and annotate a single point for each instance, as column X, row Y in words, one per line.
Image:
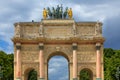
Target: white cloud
column 58, row 65
column 64, row 77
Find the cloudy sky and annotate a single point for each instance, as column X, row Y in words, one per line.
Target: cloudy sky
column 106, row 11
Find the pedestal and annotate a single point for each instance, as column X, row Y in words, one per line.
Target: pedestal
column 18, row 78
column 41, row 79
column 75, row 79
column 98, row 79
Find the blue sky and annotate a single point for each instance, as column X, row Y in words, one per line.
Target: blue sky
column 106, row 11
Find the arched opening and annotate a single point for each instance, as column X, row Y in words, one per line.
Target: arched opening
column 86, row 74
column 58, row 67
column 30, row 74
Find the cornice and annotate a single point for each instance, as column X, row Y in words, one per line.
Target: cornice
column 60, row 40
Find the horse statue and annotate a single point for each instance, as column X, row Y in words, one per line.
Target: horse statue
column 65, row 13
column 53, row 12
column 49, row 12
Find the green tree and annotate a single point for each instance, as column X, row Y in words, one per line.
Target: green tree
column 111, row 62
column 32, row 75
column 6, row 61
column 85, row 75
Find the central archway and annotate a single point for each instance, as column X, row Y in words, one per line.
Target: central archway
column 58, row 66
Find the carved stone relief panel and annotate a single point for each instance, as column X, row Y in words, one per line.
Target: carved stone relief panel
column 86, row 53
column 86, row 31
column 30, row 32
column 58, row 31
column 29, row 53
column 86, row 57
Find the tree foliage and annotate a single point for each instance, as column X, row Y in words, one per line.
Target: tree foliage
column 85, row 75
column 32, row 75
column 6, row 62
column 111, row 62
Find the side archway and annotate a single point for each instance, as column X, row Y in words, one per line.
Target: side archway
column 30, row 74
column 85, row 74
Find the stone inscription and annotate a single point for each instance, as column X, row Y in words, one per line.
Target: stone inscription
column 58, row 32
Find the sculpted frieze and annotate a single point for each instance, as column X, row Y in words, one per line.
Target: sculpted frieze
column 30, row 48
column 29, row 56
column 86, row 48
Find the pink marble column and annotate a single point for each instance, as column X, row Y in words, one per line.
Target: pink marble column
column 41, row 62
column 98, row 62
column 74, row 61
column 18, row 62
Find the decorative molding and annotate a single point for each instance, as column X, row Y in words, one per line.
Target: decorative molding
column 98, row 46
column 18, row 46
column 74, row 46
column 41, row 46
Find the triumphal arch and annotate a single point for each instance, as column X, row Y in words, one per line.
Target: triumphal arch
column 81, row 43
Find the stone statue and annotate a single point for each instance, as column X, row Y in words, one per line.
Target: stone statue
column 98, row 28
column 74, row 30
column 49, row 12
column 65, row 13
column 45, row 13
column 41, row 30
column 70, row 14
column 17, row 33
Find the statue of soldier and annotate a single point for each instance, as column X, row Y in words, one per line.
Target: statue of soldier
column 49, row 12
column 65, row 13
column 57, row 11
column 45, row 13
column 61, row 12
column 70, row 14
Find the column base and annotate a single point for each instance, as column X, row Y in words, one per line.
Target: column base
column 98, row 79
column 75, row 79
column 41, row 79
column 18, row 78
